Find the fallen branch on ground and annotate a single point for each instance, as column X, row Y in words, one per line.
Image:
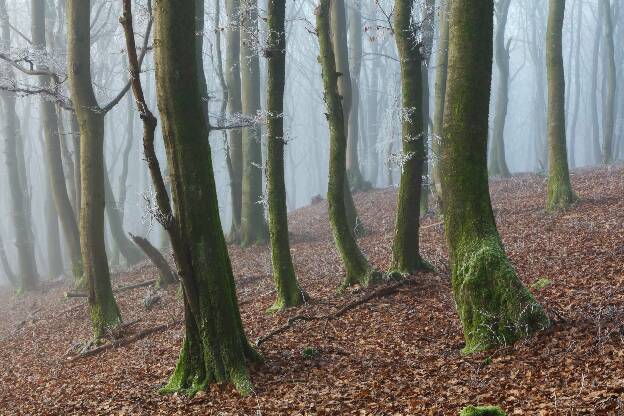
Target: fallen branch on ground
column 116, row 290
column 124, row 341
column 381, row 292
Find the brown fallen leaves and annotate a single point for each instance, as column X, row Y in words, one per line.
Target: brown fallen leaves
column 395, row 355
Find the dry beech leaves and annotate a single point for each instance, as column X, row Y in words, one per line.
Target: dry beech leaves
column 396, row 355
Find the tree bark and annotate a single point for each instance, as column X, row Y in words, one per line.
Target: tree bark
column 594, row 87
column 289, row 292
column 254, row 229
column 494, row 307
column 103, row 308
column 358, row 270
column 215, row 347
column 28, row 275
column 405, row 248
column 165, row 274
column 560, row 194
column 427, row 16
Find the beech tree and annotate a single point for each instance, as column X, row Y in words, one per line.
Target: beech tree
column 609, row 110
column 560, row 194
column 358, row 270
column 493, row 305
column 253, row 225
column 498, row 161
column 215, row 348
column 289, row 293
column 405, row 248
column 27, row 273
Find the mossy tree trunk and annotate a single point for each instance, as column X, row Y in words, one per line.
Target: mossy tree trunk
column 338, row 22
column 103, row 308
column 609, row 110
column 498, row 161
column 493, row 305
column 560, row 194
column 254, row 228
column 27, row 273
column 234, row 109
column 405, row 248
column 54, row 161
column 440, row 92
column 215, row 348
column 289, row 293
column 358, row 270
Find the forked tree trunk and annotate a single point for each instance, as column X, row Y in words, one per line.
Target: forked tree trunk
column 358, row 270
column 289, row 293
column 405, row 248
column 103, row 308
column 494, row 307
column 560, row 194
column 254, row 229
column 27, row 274
column 215, row 347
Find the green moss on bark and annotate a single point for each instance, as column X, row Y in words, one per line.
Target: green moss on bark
column 482, row 411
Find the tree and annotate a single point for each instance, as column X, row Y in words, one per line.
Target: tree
column 440, row 92
column 234, row 108
column 405, row 248
column 493, row 305
column 560, row 194
column 609, row 110
column 358, row 270
column 27, row 273
column 289, row 293
column 215, row 348
column 498, row 162
column 428, row 14
column 254, row 229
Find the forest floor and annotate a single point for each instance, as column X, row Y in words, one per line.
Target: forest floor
column 393, row 355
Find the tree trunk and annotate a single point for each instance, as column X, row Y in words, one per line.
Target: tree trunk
column 440, row 91
column 356, row 181
column 577, row 83
column 115, row 223
column 357, row 267
column 28, row 276
column 289, row 293
column 234, row 109
column 338, row 21
column 103, row 308
column 215, row 347
column 165, row 274
column 4, row 261
column 53, row 238
column 49, row 117
column 254, row 229
column 609, row 110
column 594, row 87
column 427, row 15
column 560, row 194
column 405, row 248
column 494, row 307
column 498, row 162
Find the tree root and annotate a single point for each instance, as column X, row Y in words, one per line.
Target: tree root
column 381, row 292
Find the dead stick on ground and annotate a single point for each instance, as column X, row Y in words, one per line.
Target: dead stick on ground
column 117, row 290
column 124, row 341
column 384, row 291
